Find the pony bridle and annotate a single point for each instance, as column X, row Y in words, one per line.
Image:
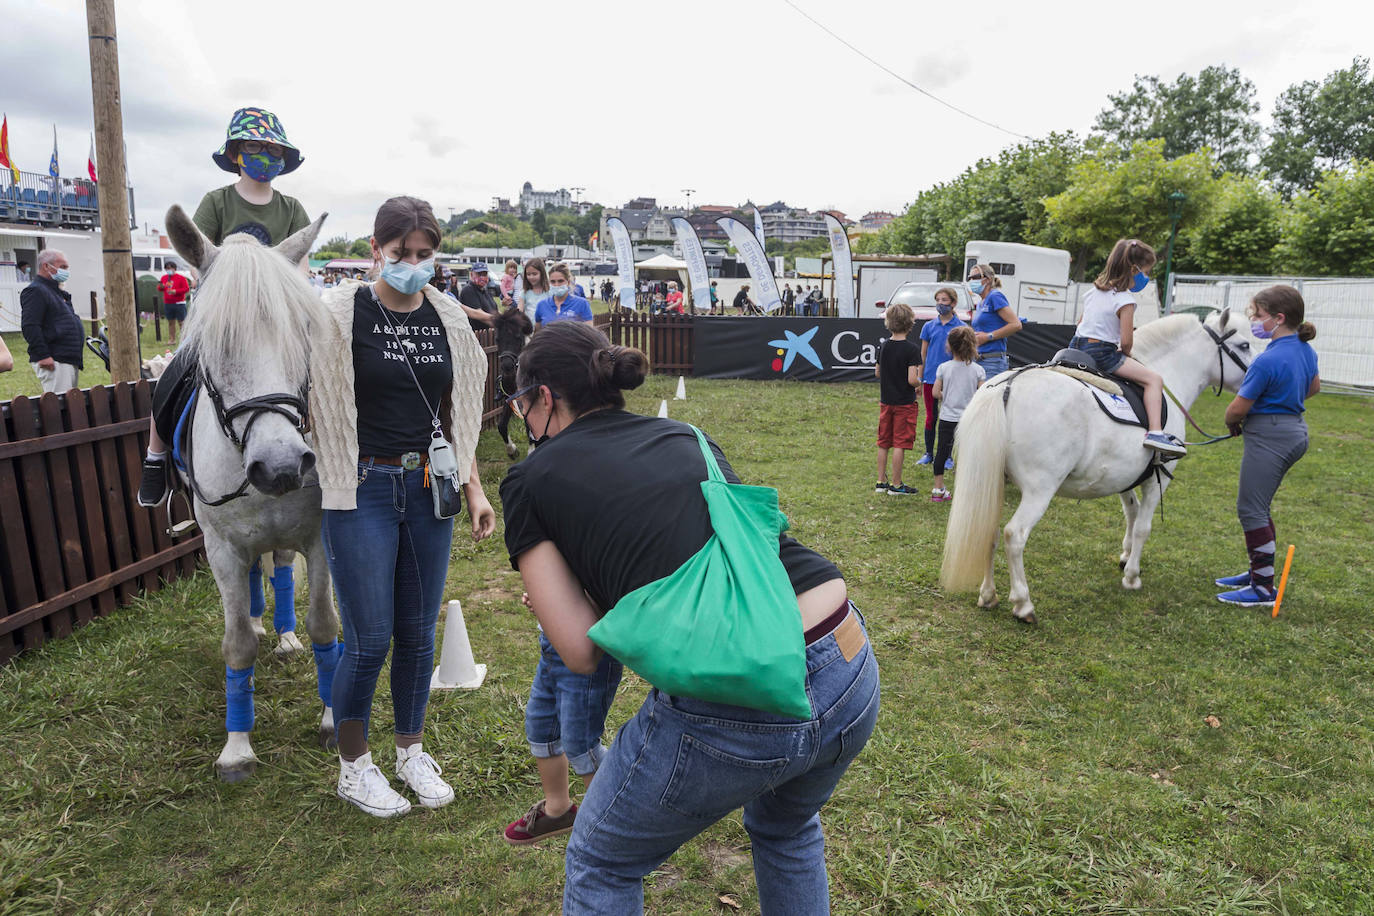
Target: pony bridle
column 277, row 403
column 1224, row 351
column 292, row 407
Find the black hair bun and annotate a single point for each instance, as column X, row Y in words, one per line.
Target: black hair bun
column 628, row 367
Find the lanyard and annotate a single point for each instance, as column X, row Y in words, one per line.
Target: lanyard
column 405, row 358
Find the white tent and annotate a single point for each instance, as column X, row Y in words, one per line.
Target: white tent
column 663, row 267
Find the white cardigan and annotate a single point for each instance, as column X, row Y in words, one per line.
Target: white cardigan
column 334, row 411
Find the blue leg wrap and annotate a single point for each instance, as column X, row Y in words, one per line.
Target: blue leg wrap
column 284, row 596
column 238, row 696
column 257, row 603
column 326, row 660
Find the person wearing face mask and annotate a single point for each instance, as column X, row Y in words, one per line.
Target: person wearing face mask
column 562, row 304
column 256, row 149
column 52, row 330
column 1107, row 330
column 933, row 353
column 475, row 296
column 397, row 359
column 994, row 320
column 174, row 288
column 1268, row 411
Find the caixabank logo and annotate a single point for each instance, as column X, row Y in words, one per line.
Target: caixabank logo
column 794, row 345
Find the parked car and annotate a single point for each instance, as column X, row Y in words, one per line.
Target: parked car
column 920, row 295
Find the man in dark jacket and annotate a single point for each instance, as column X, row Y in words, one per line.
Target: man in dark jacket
column 474, row 298
column 54, row 333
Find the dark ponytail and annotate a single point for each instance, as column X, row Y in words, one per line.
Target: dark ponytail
column 578, row 363
column 1286, row 301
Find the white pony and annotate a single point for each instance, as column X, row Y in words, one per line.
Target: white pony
column 248, row 461
column 1044, row 431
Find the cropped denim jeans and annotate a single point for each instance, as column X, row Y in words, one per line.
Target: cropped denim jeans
column 388, row 559
column 566, row 712
column 681, row 764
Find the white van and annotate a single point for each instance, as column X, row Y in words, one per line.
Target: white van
column 1036, row 282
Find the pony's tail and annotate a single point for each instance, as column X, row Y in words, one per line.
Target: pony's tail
column 981, row 446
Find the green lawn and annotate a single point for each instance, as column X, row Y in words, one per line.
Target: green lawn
column 23, row 381
column 1062, row 768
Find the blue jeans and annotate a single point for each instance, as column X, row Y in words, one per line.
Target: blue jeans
column 389, row 559
column 566, row 713
column 681, row 764
column 993, row 363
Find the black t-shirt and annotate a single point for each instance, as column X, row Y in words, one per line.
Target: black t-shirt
column 741, row 299
column 392, row 417
column 893, row 360
column 477, row 297
column 648, row 524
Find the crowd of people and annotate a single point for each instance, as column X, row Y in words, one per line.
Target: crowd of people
column 398, row 367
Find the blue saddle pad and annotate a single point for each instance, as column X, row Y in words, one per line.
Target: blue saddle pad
column 179, row 435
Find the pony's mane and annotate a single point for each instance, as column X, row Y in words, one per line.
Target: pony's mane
column 251, row 306
column 1161, row 334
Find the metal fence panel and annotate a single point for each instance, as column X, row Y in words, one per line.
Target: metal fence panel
column 1341, row 308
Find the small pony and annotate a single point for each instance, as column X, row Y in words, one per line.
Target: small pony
column 512, row 327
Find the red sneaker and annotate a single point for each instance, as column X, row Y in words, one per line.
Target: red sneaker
column 536, row 826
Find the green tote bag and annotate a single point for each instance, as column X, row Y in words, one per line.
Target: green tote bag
column 724, row 627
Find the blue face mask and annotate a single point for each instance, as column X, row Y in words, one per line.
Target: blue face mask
column 944, row 309
column 62, row 275
column 408, row 279
column 559, row 292
column 975, row 287
column 261, row 166
column 1140, row 282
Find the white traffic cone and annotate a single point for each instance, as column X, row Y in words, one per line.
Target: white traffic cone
column 457, row 670
column 681, row 389
column 663, row 410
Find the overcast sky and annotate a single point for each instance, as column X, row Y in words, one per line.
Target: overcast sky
column 461, row 102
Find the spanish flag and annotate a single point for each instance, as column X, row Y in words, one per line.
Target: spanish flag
column 5, row 159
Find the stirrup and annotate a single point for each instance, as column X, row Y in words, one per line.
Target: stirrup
column 182, row 528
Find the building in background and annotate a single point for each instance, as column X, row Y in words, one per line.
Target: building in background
column 789, row 224
column 875, row 220
column 531, row 200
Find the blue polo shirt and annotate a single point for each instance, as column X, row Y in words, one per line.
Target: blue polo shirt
column 986, row 319
column 935, row 334
column 573, row 307
column 1279, row 378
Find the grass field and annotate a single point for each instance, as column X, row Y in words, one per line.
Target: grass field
column 1062, row 768
column 23, row 381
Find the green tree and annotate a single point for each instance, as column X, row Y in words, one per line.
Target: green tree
column 1321, row 126
column 1241, row 232
column 360, row 248
column 1112, row 197
column 1330, row 229
column 540, row 224
column 1213, row 110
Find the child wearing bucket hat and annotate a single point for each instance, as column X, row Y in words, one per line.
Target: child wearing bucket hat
column 256, row 149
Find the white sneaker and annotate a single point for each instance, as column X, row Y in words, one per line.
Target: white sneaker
column 419, row 771
column 362, row 784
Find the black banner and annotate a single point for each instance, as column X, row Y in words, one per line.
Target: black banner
column 825, row 349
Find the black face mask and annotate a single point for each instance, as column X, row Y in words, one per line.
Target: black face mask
column 529, row 434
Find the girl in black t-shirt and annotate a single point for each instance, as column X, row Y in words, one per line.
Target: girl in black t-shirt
column 681, row 763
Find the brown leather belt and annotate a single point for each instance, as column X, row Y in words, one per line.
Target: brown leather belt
column 398, row 461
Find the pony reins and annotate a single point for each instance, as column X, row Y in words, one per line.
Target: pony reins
column 1223, row 351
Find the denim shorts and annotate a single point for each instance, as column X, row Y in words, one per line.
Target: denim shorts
column 1108, row 355
column 566, row 713
column 993, row 363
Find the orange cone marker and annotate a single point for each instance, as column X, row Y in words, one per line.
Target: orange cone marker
column 1287, row 564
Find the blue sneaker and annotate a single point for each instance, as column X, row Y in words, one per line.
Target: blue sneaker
column 1237, row 581
column 949, row 464
column 1247, row 597
column 925, row 459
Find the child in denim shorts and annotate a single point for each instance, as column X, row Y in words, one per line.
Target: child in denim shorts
column 564, row 720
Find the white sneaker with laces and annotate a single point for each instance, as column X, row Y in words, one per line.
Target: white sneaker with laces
column 361, row 783
column 420, row 771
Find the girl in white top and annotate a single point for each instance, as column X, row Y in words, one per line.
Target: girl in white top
column 535, row 286
column 1107, row 330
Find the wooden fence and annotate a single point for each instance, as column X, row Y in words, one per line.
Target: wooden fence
column 668, row 340
column 74, row 543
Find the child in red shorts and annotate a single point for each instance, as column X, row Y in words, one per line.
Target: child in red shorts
column 899, row 374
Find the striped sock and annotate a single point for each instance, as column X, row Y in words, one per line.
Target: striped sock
column 1260, row 543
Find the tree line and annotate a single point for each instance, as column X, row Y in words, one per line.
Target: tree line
column 475, row 229
column 1297, row 198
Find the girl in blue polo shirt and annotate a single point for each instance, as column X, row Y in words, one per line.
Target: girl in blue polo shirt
column 933, row 352
column 1268, row 411
column 563, row 305
column 994, row 320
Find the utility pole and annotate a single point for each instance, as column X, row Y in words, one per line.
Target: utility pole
column 115, row 243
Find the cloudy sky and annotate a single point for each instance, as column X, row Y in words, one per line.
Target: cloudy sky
column 461, row 102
